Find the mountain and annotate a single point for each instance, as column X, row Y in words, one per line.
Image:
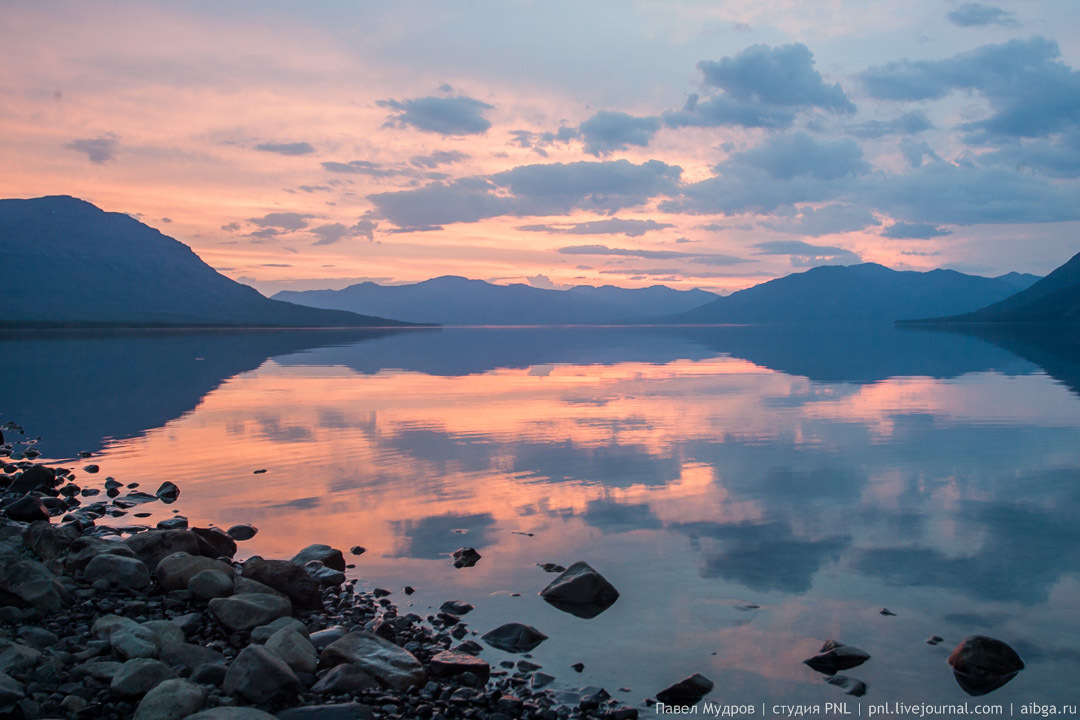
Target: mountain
column 653, row 301
column 69, row 263
column 1053, row 300
column 846, row 294
column 451, row 300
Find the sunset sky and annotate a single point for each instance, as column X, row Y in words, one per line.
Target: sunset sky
column 695, row 144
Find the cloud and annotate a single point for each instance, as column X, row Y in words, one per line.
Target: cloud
column 914, row 231
column 798, row 155
column 548, row 189
column 329, row 234
column 445, row 116
column 286, row 221
column 702, row 258
column 721, row 111
column 296, row 148
column 607, row 131
column 910, row 123
column 610, row 226
column 915, row 152
column 437, row 158
column 804, row 254
column 540, row 281
column 361, row 167
column 99, row 150
column 829, row 220
column 978, row 15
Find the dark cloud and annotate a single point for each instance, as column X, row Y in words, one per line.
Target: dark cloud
column 99, row 150
column 607, row 131
column 828, row 220
column 978, row 15
column 721, row 111
column 916, row 152
column 231, row 227
column 798, row 155
column 296, row 148
column 610, row 226
column 361, row 167
column 437, row 158
column 910, row 123
column 1059, row 157
column 446, row 116
column 704, row 258
column 806, row 255
column 914, row 231
column 282, row 221
column 329, row 234
column 414, row 229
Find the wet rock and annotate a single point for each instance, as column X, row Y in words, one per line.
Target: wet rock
column 260, row 676
column 450, row 664
column 288, row 578
column 465, row 557
column 344, row 679
column 886, row 611
column 328, row 556
column 514, row 638
column 540, row 680
column 686, row 692
column 578, row 667
column 835, row 656
column 851, row 686
column 244, row 612
column 214, row 542
column 28, row 583
column 358, row 550
column 138, row 676
column 176, row 571
column 91, row 468
column 551, row 567
column 341, row 711
column 456, row 607
column 326, row 577
column 168, row 492
column 391, row 665
column 171, row 700
column 209, row 584
column 118, row 571
column 580, row 591
column 295, row 649
column 240, row 533
column 934, row 640
column 153, row 546
column 28, row 508
column 177, row 522
column 983, row 664
column 36, row 477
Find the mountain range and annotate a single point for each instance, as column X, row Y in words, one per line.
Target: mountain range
column 69, row 263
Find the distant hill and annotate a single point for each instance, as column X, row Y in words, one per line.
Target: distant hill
column 451, row 300
column 1053, row 300
column 845, row 294
column 69, row 263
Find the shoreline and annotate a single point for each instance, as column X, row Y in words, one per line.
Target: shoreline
column 163, row 623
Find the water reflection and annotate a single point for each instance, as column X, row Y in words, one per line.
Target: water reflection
column 749, row 492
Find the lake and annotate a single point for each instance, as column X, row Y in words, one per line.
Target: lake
column 751, row 492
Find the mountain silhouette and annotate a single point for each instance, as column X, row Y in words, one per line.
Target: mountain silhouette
column 845, row 294
column 451, row 300
column 1053, row 300
column 70, row 263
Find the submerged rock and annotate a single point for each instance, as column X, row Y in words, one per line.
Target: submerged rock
column 836, row 656
column 581, row 591
column 168, row 492
column 465, row 557
column 687, row 691
column 851, row 686
column 242, row 532
column 983, row 664
column 514, row 638
column 456, row 607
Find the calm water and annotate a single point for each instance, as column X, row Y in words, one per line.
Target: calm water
column 819, row 475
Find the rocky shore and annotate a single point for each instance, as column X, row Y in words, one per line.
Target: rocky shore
column 162, row 623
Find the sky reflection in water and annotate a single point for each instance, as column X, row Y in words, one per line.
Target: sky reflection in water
column 818, row 475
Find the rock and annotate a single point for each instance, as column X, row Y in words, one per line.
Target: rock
column 934, row 640
column 214, row 542
column 851, row 686
column 103, row 670
column 15, row 657
column 295, row 649
column 28, row 583
column 190, row 657
column 36, row 477
column 232, row 713
column 835, row 656
column 322, row 638
column 551, row 567
column 578, row 667
column 91, row 468
column 175, row 571
column 457, row 607
column 686, row 692
column 514, row 638
column 210, row 583
column 341, row 711
column 470, row 647
column 240, row 533
column 165, row 633
column 540, row 680
column 244, row 612
column 887, row 612
column 288, row 578
column 86, row 548
column 358, row 549
column 328, row 556
column 580, row 591
column 263, row 633
column 449, row 664
column 465, row 557
column 260, row 676
column 119, row 571
column 245, row 586
column 49, row 542
column 28, row 508
column 138, row 676
column 344, row 679
column 11, row 692
column 153, row 546
column 167, row 492
column 983, row 664
column 394, row 667
column 326, row 577
column 176, row 522
column 171, row 700
column 37, row 637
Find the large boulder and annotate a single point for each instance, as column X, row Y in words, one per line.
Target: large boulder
column 982, row 664
column 28, row 583
column 175, row 571
column 344, row 679
column 835, row 656
column 128, row 638
column 232, row 713
column 394, row 667
column 260, row 676
column 87, row 547
column 210, row 584
column 245, row 612
column 139, row 676
column 36, row 477
column 581, row 591
column 49, row 542
column 687, row 691
column 295, row 649
column 449, row 663
column 28, row 508
column 214, row 542
column 118, row 571
column 328, row 556
column 173, row 699
column 154, row 545
column 288, row 578
column 514, row 638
